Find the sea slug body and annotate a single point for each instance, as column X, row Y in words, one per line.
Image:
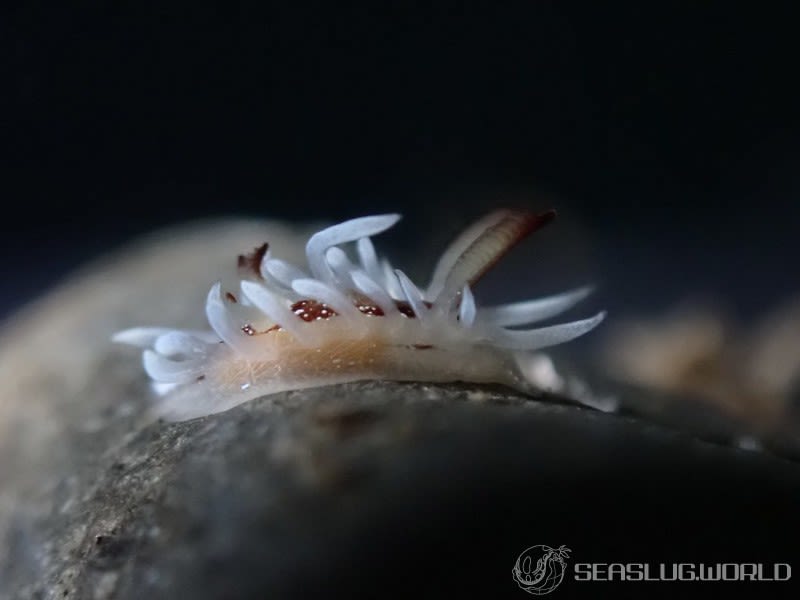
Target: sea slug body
column 276, row 327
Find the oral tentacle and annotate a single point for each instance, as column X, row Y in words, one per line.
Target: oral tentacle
column 502, row 232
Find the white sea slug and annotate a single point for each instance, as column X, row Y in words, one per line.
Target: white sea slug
column 277, row 327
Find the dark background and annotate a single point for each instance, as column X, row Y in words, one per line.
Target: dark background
column 667, row 134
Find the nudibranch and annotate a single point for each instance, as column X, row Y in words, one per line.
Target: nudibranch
column 275, row 327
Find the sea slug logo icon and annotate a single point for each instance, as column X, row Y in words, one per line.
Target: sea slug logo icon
column 540, row 569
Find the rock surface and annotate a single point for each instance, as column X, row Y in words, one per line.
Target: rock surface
column 368, row 489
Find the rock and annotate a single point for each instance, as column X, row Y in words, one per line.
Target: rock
column 368, row 489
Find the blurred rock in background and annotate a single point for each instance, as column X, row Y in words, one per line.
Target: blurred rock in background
column 749, row 372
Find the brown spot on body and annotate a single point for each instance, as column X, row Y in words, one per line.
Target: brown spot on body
column 406, row 310
column 231, row 297
column 248, row 329
column 367, row 306
column 311, row 310
column 371, row 310
column 252, row 262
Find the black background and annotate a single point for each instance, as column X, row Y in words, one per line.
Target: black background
column 667, row 134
